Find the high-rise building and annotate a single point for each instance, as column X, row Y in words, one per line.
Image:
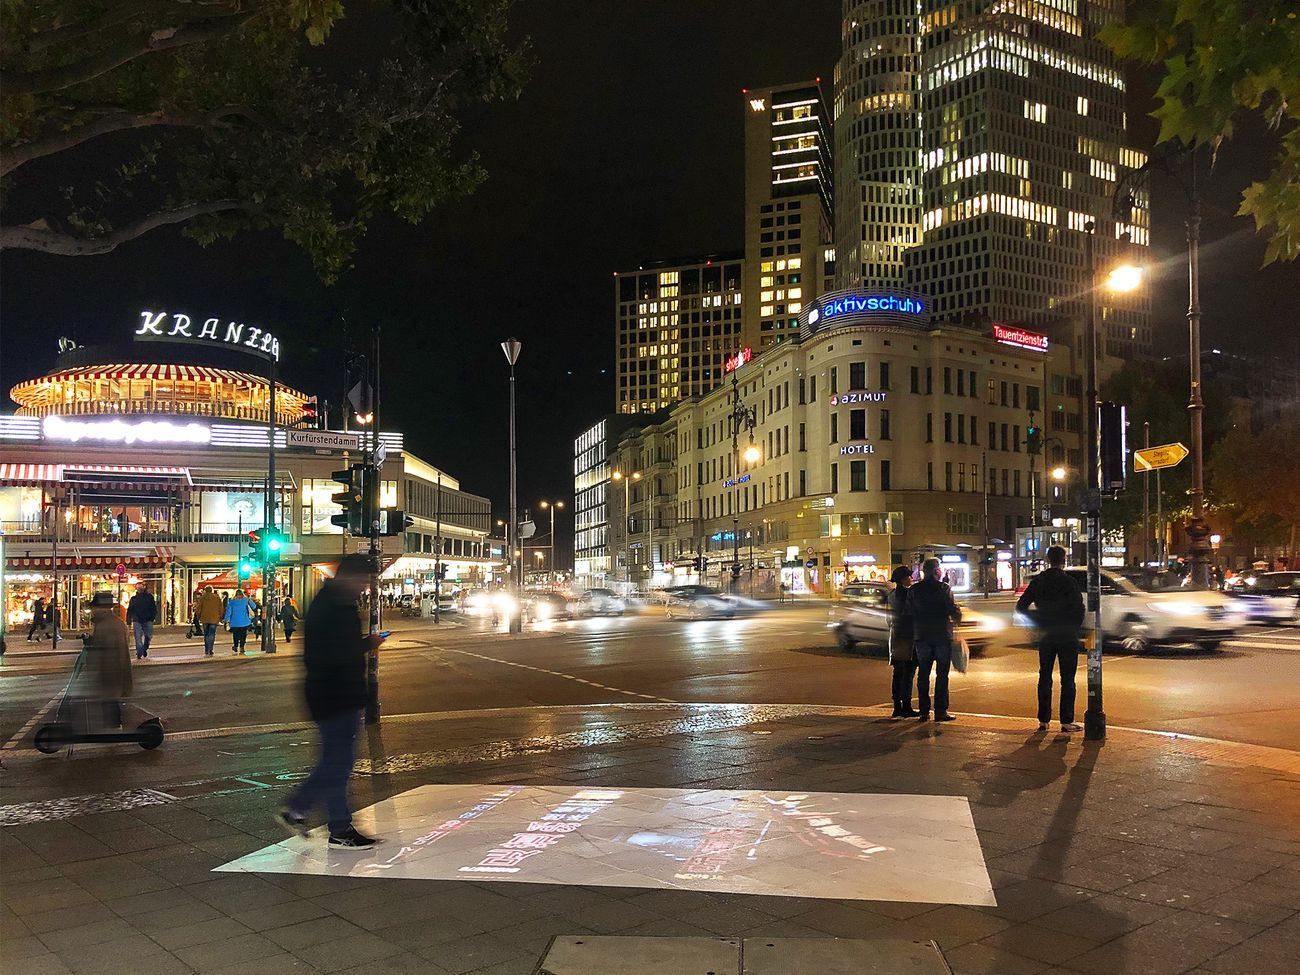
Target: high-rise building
column 678, row 321
column 788, row 228
column 1009, row 117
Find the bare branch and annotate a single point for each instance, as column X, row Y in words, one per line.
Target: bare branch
column 116, row 122
column 160, row 39
column 39, row 237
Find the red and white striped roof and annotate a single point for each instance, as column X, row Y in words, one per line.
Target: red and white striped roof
column 34, row 392
column 18, row 474
column 102, row 474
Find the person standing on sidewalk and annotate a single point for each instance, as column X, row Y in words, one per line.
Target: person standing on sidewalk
column 239, row 617
column 208, row 613
column 902, row 654
column 1058, row 614
column 334, row 656
column 38, row 620
column 934, row 612
column 289, row 617
column 141, row 612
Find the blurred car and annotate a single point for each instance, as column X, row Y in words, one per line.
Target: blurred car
column 406, row 600
column 862, row 620
column 698, row 603
column 547, row 606
column 1141, row 620
column 1270, row 597
column 598, row 602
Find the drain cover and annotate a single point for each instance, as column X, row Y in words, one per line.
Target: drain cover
column 578, row 955
column 840, row 956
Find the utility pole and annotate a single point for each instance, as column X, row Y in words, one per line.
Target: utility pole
column 741, row 417
column 373, row 499
column 1198, row 531
column 984, row 566
column 1094, row 718
column 268, row 567
column 437, row 564
column 1146, row 500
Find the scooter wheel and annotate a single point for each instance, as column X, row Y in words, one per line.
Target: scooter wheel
column 151, row 734
column 48, row 739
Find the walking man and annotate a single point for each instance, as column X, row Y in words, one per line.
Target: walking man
column 1058, row 614
column 334, row 656
column 934, row 612
column 239, row 617
column 141, row 612
column 38, row 620
column 208, row 612
column 902, row 654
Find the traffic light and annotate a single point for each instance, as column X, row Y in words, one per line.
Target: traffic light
column 394, row 521
column 1034, row 438
column 352, row 499
column 270, row 545
column 310, row 414
column 248, row 560
column 1114, row 447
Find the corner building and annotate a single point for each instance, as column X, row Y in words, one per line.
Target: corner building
column 879, row 435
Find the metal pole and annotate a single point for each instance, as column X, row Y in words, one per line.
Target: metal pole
column 551, row 563
column 54, row 544
column 1094, row 718
column 268, row 567
column 1198, row 531
column 512, row 349
column 437, row 563
column 1160, row 524
column 984, row 472
column 1146, row 500
column 1033, row 500
column 735, row 481
column 372, row 514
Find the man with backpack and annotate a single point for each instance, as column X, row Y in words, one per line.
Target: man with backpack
column 1058, row 614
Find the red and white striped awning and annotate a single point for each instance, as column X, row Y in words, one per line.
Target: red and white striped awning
column 125, row 477
column 157, row 370
column 84, row 563
column 18, row 474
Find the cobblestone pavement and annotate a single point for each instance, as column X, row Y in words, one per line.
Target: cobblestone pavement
column 1151, row 854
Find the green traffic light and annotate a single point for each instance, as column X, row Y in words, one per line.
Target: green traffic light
column 273, row 544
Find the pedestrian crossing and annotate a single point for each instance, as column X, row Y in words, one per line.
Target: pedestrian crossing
column 1284, row 638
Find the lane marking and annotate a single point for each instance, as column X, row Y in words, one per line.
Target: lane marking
column 555, row 673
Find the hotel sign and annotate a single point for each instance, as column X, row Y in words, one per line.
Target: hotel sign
column 857, row 448
column 1019, row 338
column 845, row 399
column 164, row 326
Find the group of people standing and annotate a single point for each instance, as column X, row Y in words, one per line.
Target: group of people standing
column 239, row 613
column 922, row 638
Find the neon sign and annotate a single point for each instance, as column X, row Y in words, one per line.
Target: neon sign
column 857, row 448
column 179, row 327
column 1019, row 338
column 845, row 399
column 732, row 363
column 733, row 481
column 125, row 431
column 859, row 304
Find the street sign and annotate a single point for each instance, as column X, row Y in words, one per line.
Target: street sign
column 381, row 455
column 1155, row 458
column 322, row 440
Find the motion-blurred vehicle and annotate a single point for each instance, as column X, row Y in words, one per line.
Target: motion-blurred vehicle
column 1141, row 620
column 547, row 606
column 1270, row 597
column 862, row 620
column 598, row 602
column 698, row 603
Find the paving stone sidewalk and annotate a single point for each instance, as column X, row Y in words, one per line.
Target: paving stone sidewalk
column 1151, row 854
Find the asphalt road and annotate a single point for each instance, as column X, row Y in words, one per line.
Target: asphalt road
column 1243, row 692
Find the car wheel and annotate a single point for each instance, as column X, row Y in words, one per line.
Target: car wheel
column 698, row 610
column 1209, row 646
column 846, row 642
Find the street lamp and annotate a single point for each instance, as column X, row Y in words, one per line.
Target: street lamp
column 1059, row 474
column 552, row 505
column 512, row 348
column 627, row 480
column 746, row 418
column 1124, row 278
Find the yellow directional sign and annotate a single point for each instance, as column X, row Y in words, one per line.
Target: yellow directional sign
column 1154, row 458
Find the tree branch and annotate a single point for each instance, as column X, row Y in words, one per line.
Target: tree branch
column 17, row 156
column 38, row 237
column 161, row 39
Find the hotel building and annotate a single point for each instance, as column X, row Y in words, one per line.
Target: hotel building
column 139, row 463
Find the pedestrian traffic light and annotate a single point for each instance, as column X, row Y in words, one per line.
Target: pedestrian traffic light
column 1034, row 438
column 310, row 414
column 394, row 521
column 351, row 499
column 269, row 545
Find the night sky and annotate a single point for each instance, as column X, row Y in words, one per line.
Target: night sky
column 625, row 147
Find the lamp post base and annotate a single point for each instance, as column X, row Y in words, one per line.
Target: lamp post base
column 1094, row 725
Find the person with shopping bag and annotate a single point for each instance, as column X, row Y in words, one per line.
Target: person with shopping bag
column 934, row 614
column 902, row 653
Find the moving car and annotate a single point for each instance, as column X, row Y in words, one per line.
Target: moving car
column 861, row 619
column 698, row 603
column 547, row 606
column 598, row 602
column 1141, row 620
column 1271, row 597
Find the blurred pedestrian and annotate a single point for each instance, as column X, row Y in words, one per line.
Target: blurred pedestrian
column 141, row 611
column 239, row 617
column 289, row 617
column 209, row 612
column 902, row 654
column 334, row 656
column 934, row 612
column 37, row 628
column 1058, row 614
column 105, row 681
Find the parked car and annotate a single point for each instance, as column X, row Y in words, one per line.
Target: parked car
column 1141, row 620
column 698, row 602
column 862, row 620
column 598, row 602
column 1271, row 597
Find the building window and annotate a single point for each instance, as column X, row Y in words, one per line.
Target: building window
column 803, row 446
column 947, row 475
column 993, row 435
column 973, row 390
column 1031, row 398
column 812, row 389
column 961, row 428
column 1015, row 395
column 857, row 424
column 929, row 381
column 916, row 379
column 929, row 428
column 1004, row 392
column 1004, row 437
column 929, row 476
column 803, row 483
column 1016, row 481
column 858, row 475
column 835, row 478
column 974, row 432
column 803, row 391
column 835, row 428
column 884, row 476
column 961, row 382
column 947, row 428
column 961, row 477
column 857, row 375
column 884, row 375
column 1015, row 438
column 884, row 425
column 835, row 380
column 947, row 380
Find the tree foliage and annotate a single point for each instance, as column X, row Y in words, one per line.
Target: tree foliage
column 1222, row 60
column 122, row 116
column 1259, row 474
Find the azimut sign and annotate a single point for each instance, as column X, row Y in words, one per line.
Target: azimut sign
column 161, row 326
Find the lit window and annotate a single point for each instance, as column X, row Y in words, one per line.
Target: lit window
column 1083, row 105
column 1035, row 111
column 794, row 264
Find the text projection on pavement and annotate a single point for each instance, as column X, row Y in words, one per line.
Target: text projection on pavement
column 915, row 848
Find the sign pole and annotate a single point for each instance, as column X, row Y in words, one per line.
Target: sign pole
column 1094, row 718
column 372, row 516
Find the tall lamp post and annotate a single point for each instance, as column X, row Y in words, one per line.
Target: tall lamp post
column 552, row 505
column 746, row 418
column 512, row 348
column 627, row 480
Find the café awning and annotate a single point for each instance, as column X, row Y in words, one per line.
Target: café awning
column 124, row 477
column 106, row 564
column 30, row 474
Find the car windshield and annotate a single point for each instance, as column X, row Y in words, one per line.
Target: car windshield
column 1275, row 582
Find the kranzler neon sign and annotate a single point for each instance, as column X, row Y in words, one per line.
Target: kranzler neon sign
column 164, row 326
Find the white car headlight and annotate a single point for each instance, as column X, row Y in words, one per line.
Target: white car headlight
column 1177, row 608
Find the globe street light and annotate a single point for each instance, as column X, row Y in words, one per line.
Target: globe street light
column 1124, row 278
column 1059, row 473
column 627, row 480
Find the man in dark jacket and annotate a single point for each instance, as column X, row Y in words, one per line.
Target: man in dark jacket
column 335, row 659
column 934, row 612
column 141, row 612
column 1058, row 613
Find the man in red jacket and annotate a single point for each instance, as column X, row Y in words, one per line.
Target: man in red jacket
column 335, row 659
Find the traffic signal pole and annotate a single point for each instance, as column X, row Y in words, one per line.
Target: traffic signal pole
column 1094, row 718
column 272, row 489
column 374, row 503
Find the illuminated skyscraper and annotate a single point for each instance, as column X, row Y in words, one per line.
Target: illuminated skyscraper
column 1010, row 116
column 788, row 235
